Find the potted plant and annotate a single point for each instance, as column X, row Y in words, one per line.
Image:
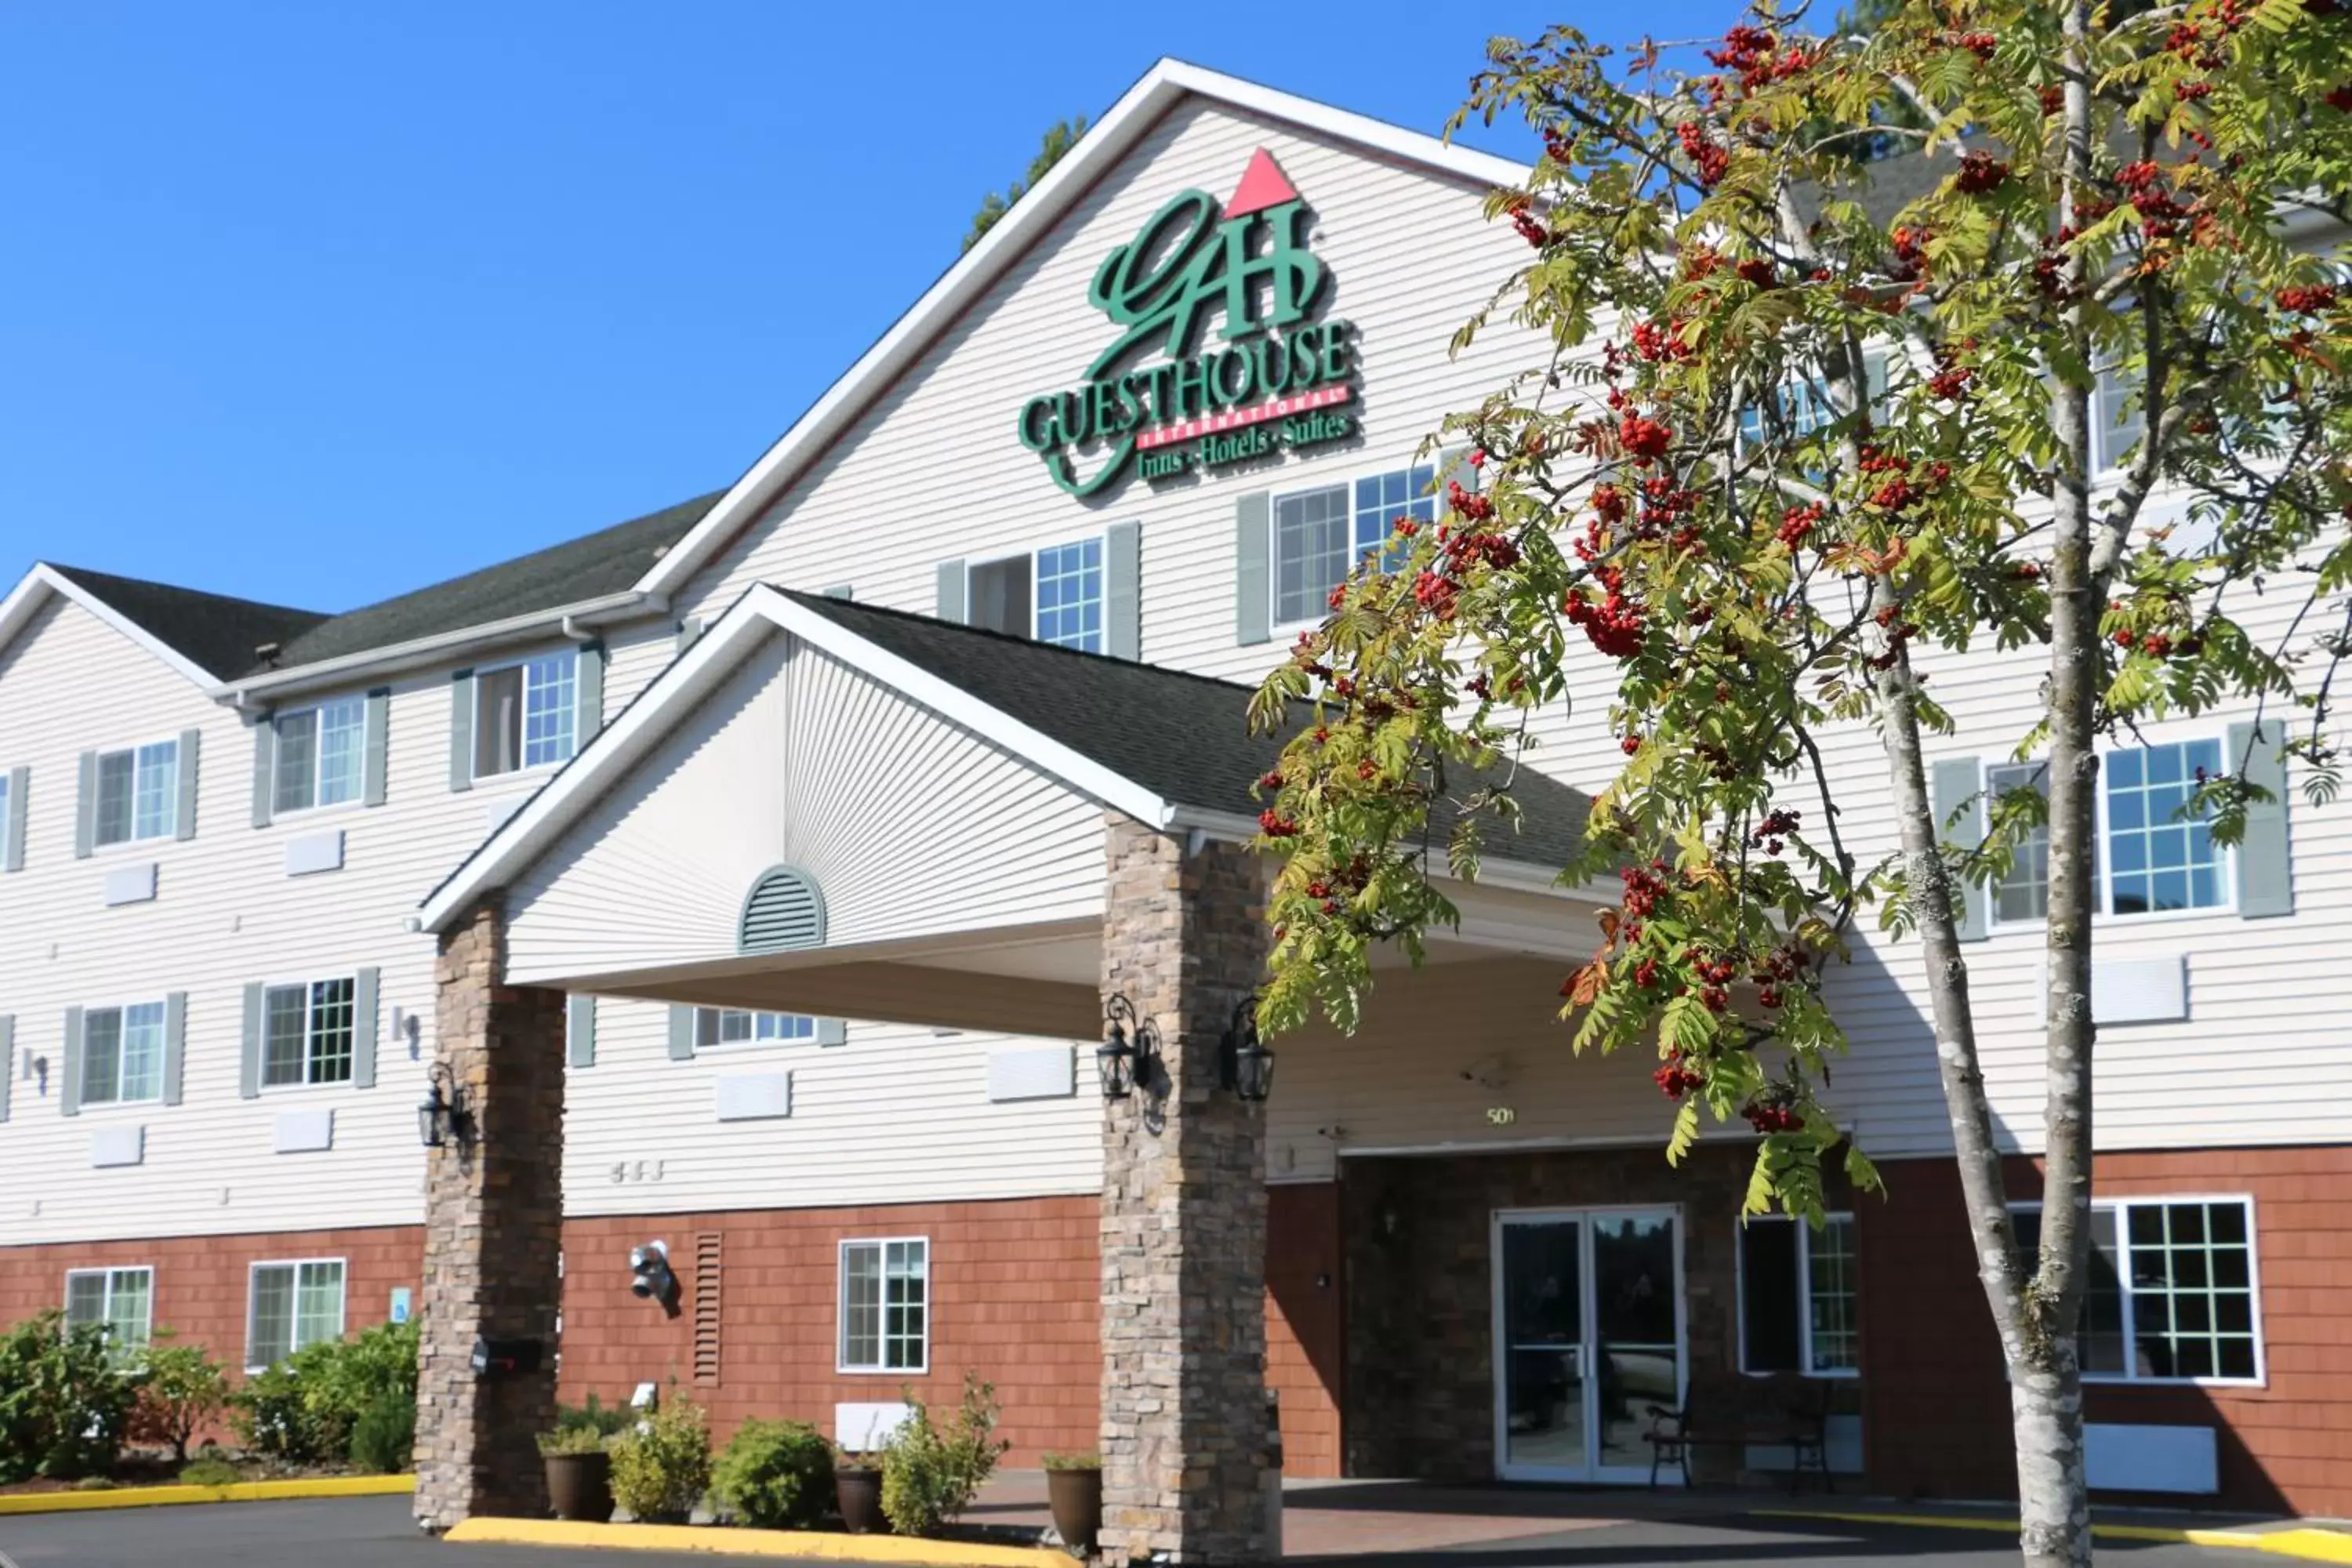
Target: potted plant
column 858, row 1490
column 1073, row 1487
column 579, row 1473
column 661, row 1467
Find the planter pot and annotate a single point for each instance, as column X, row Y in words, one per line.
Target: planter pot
column 1077, row 1496
column 860, row 1495
column 580, row 1485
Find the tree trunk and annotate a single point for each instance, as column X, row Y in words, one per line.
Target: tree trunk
column 2046, row 1413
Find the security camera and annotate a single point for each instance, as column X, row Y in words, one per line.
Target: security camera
column 652, row 1280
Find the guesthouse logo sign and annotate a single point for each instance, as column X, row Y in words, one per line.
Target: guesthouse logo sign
column 1157, row 396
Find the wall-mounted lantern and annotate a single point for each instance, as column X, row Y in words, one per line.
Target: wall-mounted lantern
column 1129, row 1047
column 1244, row 1064
column 443, row 1118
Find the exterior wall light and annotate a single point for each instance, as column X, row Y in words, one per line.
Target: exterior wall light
column 1245, row 1065
column 651, row 1278
column 1121, row 1058
column 442, row 1117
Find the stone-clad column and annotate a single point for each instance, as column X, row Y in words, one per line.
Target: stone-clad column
column 1184, row 1216
column 493, row 1229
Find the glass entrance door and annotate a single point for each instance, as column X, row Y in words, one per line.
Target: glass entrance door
column 1588, row 1336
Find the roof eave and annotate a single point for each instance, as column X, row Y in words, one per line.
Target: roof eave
column 38, row 586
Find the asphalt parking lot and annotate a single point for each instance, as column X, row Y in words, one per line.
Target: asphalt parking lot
column 377, row 1532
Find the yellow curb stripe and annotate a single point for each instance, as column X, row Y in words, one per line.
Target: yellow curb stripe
column 728, row 1542
column 237, row 1491
column 2306, row 1545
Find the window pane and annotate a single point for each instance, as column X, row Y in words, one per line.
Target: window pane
column 548, row 709
column 2192, row 1300
column 127, row 1306
column 343, row 730
column 159, row 789
column 86, row 1299
column 2163, row 858
column 861, row 1306
column 1070, row 596
column 1381, row 501
column 2102, row 1347
column 143, row 1051
column 114, row 776
column 318, row 1304
column 998, row 592
column 101, row 1055
column 498, row 722
column 734, row 1027
column 706, row 1026
column 906, row 1310
column 1768, row 1296
column 2024, row 893
column 331, row 1032
column 1835, row 1342
column 269, row 1335
column 283, row 1009
column 1310, row 552
column 298, row 760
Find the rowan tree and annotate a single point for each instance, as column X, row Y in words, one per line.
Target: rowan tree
column 1789, row 454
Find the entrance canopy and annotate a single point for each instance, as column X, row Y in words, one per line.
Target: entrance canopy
column 829, row 808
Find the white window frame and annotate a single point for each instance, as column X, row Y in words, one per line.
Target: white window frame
column 318, row 773
column 1346, row 482
column 752, row 1041
column 81, row 1091
column 310, row 1031
column 171, row 824
column 1804, row 1293
column 2225, row 868
column 2119, row 1208
column 842, row 1363
column 522, row 736
column 294, row 1304
column 106, row 1309
column 1100, row 538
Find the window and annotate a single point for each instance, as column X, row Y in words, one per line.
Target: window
column 523, row 714
column 320, row 752
column 2160, row 857
column 307, row 1034
column 1319, row 533
column 1798, row 1297
column 294, row 1306
column 120, row 1300
column 2116, row 424
column 122, row 1054
column 1055, row 595
column 729, row 1027
column 2024, row 893
column 2172, row 1291
column 138, row 793
column 885, row 1305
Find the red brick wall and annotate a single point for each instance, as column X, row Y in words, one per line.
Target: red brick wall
column 1928, row 1344
column 1305, row 1335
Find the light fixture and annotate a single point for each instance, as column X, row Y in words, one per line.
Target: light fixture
column 442, row 1118
column 652, row 1277
column 1119, row 1059
column 1244, row 1064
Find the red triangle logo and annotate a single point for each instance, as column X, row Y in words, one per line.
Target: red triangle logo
column 1263, row 186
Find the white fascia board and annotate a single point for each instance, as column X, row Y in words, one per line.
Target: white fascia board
column 1493, row 871
column 25, row 600
column 641, row 726
column 1105, row 143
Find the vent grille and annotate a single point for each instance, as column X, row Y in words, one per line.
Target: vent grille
column 785, row 911
column 708, row 1247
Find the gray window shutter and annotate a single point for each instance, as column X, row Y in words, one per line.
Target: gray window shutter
column 175, row 1043
column 366, row 986
column 1958, row 780
column 840, row 591
column 579, row 1030
column 190, row 741
column 7, row 1063
column 1252, row 567
column 689, row 632
column 832, row 1032
column 950, row 591
column 265, row 768
column 376, row 763
column 70, row 1074
column 86, row 808
column 20, row 785
column 2265, row 877
column 248, row 1062
column 589, row 685
column 461, row 730
column 681, row 1032
column 1123, row 590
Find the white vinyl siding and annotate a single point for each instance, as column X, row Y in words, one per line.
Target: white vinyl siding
column 121, row 1300
column 321, row 755
column 138, row 793
column 307, row 1033
column 525, row 714
column 885, row 1305
column 122, row 1054
column 292, row 1307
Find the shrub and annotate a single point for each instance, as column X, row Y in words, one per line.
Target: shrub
column 65, row 1400
column 575, row 1439
column 931, row 1476
column 1074, row 1461
column 661, row 1469
column 273, row 1419
column 184, row 1388
column 383, row 1438
column 776, row 1475
column 209, row 1472
column 604, row 1420
column 303, row 1410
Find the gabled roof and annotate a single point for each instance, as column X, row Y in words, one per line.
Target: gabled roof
column 1170, row 750
column 1109, row 139
column 215, row 633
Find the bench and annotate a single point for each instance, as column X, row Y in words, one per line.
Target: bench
column 1782, row 1411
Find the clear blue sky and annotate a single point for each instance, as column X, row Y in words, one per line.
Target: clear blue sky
column 320, row 302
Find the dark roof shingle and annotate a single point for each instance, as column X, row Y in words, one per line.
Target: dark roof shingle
column 213, row 632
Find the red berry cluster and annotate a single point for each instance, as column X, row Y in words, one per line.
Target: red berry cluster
column 1679, row 1076
column 1468, row 504
column 1708, row 161
column 2306, row 299
column 1655, row 341
column 1754, row 53
column 1270, row 781
column 1717, row 974
column 1615, row 625
column 1608, row 503
column 2148, row 189
column 1557, row 146
column 1910, row 245
column 2199, row 39
column 2155, row 645
column 1630, row 745
column 1777, row 825
column 2054, row 99
column 1980, row 44
column 1646, row 439
column 1406, row 528
column 1979, row 173
column 1797, row 522
column 1755, row 269
column 2340, row 99
column 1766, row 1117
column 1643, row 889
column 1273, row 824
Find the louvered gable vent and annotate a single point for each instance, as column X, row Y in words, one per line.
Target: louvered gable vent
column 785, row 911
